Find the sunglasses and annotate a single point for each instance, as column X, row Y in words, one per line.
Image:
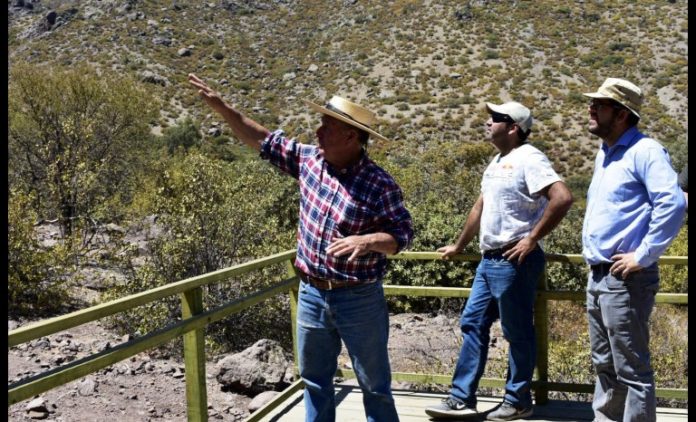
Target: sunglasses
column 500, row 118
column 596, row 105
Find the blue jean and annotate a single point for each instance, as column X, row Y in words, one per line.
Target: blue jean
column 357, row 315
column 618, row 312
column 505, row 290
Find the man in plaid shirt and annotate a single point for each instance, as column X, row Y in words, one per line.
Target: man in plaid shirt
column 351, row 216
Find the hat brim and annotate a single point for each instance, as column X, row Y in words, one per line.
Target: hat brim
column 324, row 110
column 492, row 108
column 607, row 97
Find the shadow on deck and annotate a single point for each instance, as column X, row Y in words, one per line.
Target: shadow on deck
column 411, row 407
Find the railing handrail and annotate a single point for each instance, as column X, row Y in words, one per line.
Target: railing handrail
column 53, row 325
column 192, row 326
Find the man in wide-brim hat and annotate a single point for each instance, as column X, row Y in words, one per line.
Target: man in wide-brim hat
column 634, row 211
column 351, row 216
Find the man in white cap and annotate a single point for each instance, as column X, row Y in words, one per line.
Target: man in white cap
column 634, row 211
column 522, row 199
column 351, row 216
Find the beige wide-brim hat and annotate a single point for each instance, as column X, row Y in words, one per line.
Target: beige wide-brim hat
column 621, row 91
column 348, row 112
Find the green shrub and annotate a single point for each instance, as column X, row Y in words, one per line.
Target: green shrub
column 213, row 215
column 76, row 138
column 36, row 276
column 184, row 135
column 675, row 278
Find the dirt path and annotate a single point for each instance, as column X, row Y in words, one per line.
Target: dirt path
column 143, row 388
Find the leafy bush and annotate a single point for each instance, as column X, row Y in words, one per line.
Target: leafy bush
column 184, row 135
column 439, row 196
column 675, row 278
column 216, row 214
column 75, row 138
column 36, row 276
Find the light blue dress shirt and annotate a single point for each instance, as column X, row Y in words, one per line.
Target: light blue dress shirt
column 634, row 203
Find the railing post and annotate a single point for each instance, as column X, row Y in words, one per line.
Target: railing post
column 194, row 358
column 541, row 326
column 294, row 296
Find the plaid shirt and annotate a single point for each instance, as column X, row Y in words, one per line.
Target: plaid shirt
column 358, row 200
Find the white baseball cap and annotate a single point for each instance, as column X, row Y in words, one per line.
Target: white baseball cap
column 517, row 112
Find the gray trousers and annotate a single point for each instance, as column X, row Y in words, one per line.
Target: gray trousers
column 618, row 311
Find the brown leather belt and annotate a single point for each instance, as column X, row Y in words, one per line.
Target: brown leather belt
column 324, row 284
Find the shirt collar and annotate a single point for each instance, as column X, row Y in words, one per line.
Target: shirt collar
column 352, row 169
column 626, row 140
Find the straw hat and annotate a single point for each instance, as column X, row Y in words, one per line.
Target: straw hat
column 621, row 91
column 348, row 112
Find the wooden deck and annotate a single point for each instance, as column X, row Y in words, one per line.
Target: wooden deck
column 411, row 407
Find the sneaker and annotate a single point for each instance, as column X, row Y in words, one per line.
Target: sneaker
column 450, row 408
column 507, row 412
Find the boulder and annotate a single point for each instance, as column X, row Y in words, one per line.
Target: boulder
column 153, row 78
column 38, row 405
column 259, row 368
column 162, row 41
column 87, row 387
column 260, row 400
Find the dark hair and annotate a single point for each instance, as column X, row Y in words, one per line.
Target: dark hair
column 522, row 135
column 363, row 136
column 632, row 118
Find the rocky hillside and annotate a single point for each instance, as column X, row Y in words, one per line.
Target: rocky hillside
column 427, row 66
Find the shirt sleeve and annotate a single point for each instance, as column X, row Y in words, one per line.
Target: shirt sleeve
column 538, row 172
column 396, row 218
column 284, row 153
column 668, row 204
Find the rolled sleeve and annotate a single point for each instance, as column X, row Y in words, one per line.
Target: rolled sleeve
column 396, row 218
column 282, row 152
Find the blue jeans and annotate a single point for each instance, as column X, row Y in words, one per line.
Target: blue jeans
column 505, row 290
column 618, row 312
column 358, row 315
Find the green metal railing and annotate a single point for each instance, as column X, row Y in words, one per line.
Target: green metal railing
column 195, row 318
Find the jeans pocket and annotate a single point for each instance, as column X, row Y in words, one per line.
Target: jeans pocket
column 647, row 278
column 614, row 283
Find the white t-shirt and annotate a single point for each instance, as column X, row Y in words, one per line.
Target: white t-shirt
column 512, row 204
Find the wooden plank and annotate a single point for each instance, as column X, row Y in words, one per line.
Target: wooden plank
column 426, row 291
column 278, row 400
column 194, row 358
column 550, row 257
column 31, row 386
column 411, row 408
column 294, row 298
column 541, row 327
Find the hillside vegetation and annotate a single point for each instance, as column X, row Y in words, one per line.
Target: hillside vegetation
column 104, row 132
column 427, row 67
